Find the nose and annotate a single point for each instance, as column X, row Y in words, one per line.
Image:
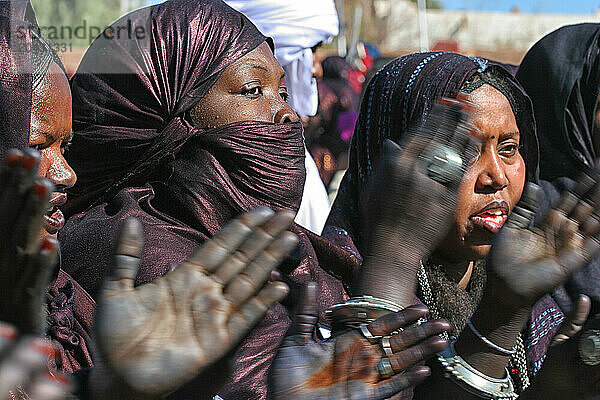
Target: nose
column 492, row 177
column 285, row 114
column 58, row 170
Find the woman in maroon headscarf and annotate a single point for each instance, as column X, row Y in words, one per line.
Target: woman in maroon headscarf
column 184, row 126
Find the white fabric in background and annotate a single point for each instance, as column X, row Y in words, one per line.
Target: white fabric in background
column 314, row 208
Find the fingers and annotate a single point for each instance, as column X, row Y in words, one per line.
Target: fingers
column 416, row 334
column 308, row 311
column 8, row 334
column 255, row 275
column 127, row 258
column 397, row 383
column 212, row 254
column 525, row 210
column 575, row 321
column 242, row 320
column 415, row 354
column 18, row 174
column 262, row 237
column 29, row 222
column 32, row 282
column 570, row 198
column 26, row 360
column 390, row 322
column 48, row 387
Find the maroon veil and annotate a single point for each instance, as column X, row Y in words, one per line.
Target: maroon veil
column 136, row 154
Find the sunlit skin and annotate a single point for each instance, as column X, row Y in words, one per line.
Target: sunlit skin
column 250, row 89
column 50, row 133
column 498, row 174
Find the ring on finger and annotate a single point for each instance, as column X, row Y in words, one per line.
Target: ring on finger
column 373, row 339
column 444, row 165
column 384, row 368
column 387, row 346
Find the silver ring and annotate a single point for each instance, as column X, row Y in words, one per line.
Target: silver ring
column 368, row 335
column 384, row 368
column 589, row 347
column 444, row 165
column 387, row 346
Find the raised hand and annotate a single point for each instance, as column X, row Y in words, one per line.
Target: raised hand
column 411, row 199
column 26, row 262
column 345, row 367
column 24, row 368
column 158, row 336
column 527, row 260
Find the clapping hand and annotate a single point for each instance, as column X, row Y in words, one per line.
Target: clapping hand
column 410, row 200
column 528, row 260
column 26, row 262
column 24, row 368
column 158, row 336
column 345, row 366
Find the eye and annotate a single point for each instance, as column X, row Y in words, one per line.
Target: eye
column 65, row 146
column 509, row 150
column 252, row 92
column 284, row 95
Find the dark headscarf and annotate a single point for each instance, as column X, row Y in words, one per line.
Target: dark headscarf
column 561, row 74
column 15, row 76
column 401, row 94
column 136, row 154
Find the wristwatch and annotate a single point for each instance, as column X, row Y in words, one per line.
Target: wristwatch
column 589, row 347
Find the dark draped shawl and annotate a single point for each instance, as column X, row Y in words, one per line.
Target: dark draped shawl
column 15, row 76
column 561, row 74
column 136, row 154
column 401, row 94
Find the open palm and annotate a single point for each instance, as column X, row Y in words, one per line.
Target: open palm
column 160, row 335
column 530, row 259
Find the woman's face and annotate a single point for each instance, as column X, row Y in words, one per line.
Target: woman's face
column 250, row 89
column 50, row 133
column 492, row 184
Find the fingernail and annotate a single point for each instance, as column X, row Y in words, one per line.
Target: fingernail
column 440, row 342
column 419, row 308
column 13, row 158
column 8, row 332
column 28, row 162
column 59, row 378
column 290, row 240
column 44, row 347
column 40, row 190
column 49, row 244
column 274, row 276
column 421, row 370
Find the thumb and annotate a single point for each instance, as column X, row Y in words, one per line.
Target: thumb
column 307, row 312
column 575, row 321
column 525, row 210
column 127, row 257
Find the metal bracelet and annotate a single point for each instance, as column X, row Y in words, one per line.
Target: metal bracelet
column 491, row 344
column 359, row 310
column 473, row 381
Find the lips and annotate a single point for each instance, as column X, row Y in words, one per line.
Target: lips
column 492, row 216
column 54, row 218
